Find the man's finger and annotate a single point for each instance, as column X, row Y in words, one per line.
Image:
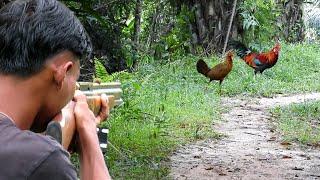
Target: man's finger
column 58, row 117
column 69, row 106
column 104, row 110
column 79, row 96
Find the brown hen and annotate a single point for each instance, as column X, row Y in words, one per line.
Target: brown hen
column 219, row 71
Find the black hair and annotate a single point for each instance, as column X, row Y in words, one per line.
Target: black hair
column 31, row 31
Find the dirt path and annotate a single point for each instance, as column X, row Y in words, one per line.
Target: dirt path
column 251, row 149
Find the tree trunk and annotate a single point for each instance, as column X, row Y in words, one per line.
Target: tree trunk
column 292, row 22
column 230, row 26
column 137, row 22
column 200, row 21
column 153, row 30
column 136, row 34
column 4, row 2
column 194, row 38
column 211, row 22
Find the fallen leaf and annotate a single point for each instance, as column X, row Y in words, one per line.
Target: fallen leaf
column 285, row 143
column 286, row 157
column 237, row 169
column 298, row 169
column 272, row 138
column 209, row 168
column 315, row 175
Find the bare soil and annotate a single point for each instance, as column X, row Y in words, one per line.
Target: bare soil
column 251, row 149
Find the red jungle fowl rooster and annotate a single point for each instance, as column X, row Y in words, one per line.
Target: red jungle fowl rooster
column 258, row 61
column 218, row 72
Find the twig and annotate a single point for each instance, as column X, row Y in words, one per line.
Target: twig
column 117, row 150
column 253, row 134
column 229, row 28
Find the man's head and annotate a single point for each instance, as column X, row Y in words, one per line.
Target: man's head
column 41, row 42
column 31, row 31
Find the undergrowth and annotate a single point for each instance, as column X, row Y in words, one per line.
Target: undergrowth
column 165, row 106
column 300, row 122
column 170, row 104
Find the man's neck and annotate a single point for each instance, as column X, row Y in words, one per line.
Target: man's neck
column 19, row 101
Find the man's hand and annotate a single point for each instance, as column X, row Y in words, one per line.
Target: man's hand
column 85, row 118
column 90, row 152
column 77, row 117
column 105, row 109
column 66, row 120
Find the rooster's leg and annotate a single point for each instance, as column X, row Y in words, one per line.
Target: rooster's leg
column 255, row 74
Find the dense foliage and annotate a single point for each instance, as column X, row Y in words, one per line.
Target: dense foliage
column 171, row 28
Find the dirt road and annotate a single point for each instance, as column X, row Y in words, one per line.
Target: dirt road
column 251, row 148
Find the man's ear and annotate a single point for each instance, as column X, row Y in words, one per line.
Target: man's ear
column 61, row 72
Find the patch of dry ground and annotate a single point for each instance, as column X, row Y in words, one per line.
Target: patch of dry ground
column 251, row 148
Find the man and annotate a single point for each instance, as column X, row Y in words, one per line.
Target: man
column 41, row 42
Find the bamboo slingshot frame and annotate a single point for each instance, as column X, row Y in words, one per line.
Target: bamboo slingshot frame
column 64, row 130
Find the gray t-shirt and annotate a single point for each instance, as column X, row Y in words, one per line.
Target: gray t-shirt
column 27, row 155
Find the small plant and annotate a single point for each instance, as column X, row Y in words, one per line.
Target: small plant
column 100, row 71
column 259, row 20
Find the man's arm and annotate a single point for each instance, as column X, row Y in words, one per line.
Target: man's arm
column 92, row 164
column 91, row 156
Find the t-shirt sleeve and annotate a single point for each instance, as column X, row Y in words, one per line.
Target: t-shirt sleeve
column 56, row 166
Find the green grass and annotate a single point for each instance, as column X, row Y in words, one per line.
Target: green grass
column 165, row 106
column 299, row 122
column 170, row 104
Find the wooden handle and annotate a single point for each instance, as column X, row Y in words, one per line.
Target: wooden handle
column 94, row 103
column 68, row 125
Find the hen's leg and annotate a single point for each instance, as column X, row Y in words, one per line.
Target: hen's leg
column 206, row 89
column 220, row 84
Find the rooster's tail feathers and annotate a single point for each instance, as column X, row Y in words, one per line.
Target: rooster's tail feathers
column 240, row 48
column 202, row 67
